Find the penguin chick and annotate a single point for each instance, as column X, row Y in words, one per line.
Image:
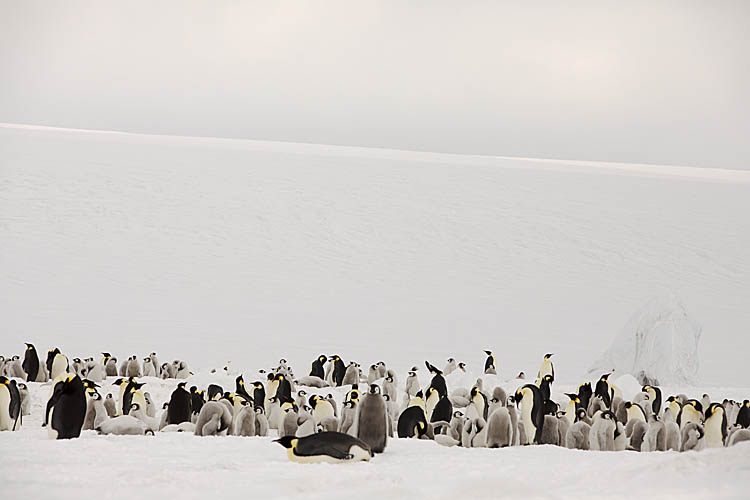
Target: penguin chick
column 635, row 430
column 499, row 429
column 245, row 421
column 692, row 437
column 450, row 367
column 412, row 383
column 328, row 424
column 371, row 420
column 655, row 438
column 109, row 405
column 577, row 437
column 672, row 431
column 550, row 431
column 602, row 434
column 214, row 419
column 348, row 411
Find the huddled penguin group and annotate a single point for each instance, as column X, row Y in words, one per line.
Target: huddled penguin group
column 314, row 428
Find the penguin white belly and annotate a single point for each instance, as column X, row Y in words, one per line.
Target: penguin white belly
column 570, row 412
column 59, row 365
column 51, row 433
column 713, row 436
column 322, row 410
column 358, row 453
column 5, row 423
column 528, row 424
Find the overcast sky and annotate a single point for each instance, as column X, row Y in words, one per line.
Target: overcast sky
column 652, row 82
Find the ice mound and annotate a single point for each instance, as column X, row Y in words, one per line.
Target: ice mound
column 659, row 345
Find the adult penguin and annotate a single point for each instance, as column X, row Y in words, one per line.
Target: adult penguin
column 214, row 392
column 325, row 447
column 57, row 363
column 604, row 390
column 371, row 420
column 133, row 394
column 692, row 411
column 479, row 402
column 180, row 407
column 339, row 370
column 196, row 400
column 584, row 394
column 239, row 388
column 317, row 368
column 259, row 394
column 529, row 398
column 743, row 416
column 438, row 381
column 10, row 405
column 715, row 426
column 31, row 364
column 490, row 364
column 66, row 409
column 443, row 412
column 547, row 368
column 283, row 389
column 412, row 422
column 654, row 394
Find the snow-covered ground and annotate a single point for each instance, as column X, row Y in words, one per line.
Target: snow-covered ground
column 209, row 250
column 194, row 467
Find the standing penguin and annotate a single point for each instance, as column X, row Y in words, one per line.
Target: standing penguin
column 585, row 393
column 339, row 369
column 348, row 414
column 604, row 390
column 109, row 406
column 654, row 395
column 316, row 369
column 321, row 408
column 529, row 397
column 66, row 408
column 715, row 426
column 547, row 368
column 691, row 411
column 499, row 429
column 490, row 364
column 10, row 405
column 692, row 437
column 479, row 402
column 23, row 391
column 57, row 363
column 371, row 420
column 180, row 406
column 351, row 375
column 31, row 365
column 95, row 413
column 602, row 434
column 412, row 383
column 743, row 416
column 577, row 436
column 450, row 367
column 438, row 381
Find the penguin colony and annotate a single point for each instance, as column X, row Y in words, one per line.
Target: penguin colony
column 315, row 429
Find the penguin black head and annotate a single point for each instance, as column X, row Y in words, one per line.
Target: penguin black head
column 549, row 378
column 374, row 389
column 696, row 404
column 4, row 380
column 119, row 381
column 29, row 346
column 270, row 377
column 580, row 414
column 389, row 378
column 349, row 404
column 420, row 394
column 746, row 403
column 90, row 384
column 628, row 405
column 286, row 441
column 605, row 376
column 193, row 389
column 607, row 414
column 164, row 406
column 259, row 410
column 182, row 385
column 137, row 385
column 488, row 353
column 135, row 407
column 572, row 397
column 313, row 400
column 547, row 356
column 450, row 360
column 414, row 368
column 713, row 408
column 462, row 366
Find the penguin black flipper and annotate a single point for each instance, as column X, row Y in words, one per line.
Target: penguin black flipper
column 333, row 444
column 15, row 404
column 432, row 369
column 56, row 393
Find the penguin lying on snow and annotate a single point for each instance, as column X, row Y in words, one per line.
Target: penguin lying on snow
column 325, row 447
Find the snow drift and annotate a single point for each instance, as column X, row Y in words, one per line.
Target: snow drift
column 659, row 345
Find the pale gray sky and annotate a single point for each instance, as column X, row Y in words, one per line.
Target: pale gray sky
column 651, row 81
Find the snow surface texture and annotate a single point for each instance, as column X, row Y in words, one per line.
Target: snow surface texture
column 659, row 345
column 170, row 464
column 204, row 247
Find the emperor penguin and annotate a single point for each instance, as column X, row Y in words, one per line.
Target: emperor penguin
column 442, row 412
column 438, row 381
column 245, row 421
column 655, row 438
column 715, row 426
column 57, row 363
column 692, row 437
column 305, row 422
column 95, row 413
column 431, row 398
column 602, row 434
column 499, row 429
column 261, row 422
column 450, row 367
column 110, row 406
column 373, row 374
column 325, row 447
column 155, row 364
column 529, row 397
column 110, row 367
column 23, row 392
column 124, row 425
column 738, row 435
column 547, row 368
column 490, row 364
column 654, row 395
column 181, row 370
column 389, row 387
column 351, row 395
column 691, row 411
column 577, row 436
column 550, row 430
column 351, row 375
column 338, row 371
column 137, row 411
column 165, row 371
column 10, row 405
column 348, row 411
column 382, row 369
column 259, row 394
column 329, row 397
column 574, row 402
column 584, row 394
column 239, row 388
column 283, row 392
column 321, row 408
column 634, row 411
column 66, row 408
column 77, row 367
column 604, row 390
column 31, row 365
column 412, row 383
column 196, row 401
column 371, row 420
column 743, row 416
column 675, row 406
column 595, row 404
column 14, row 368
column 672, row 430
column 123, row 370
column 148, row 367
column 474, row 434
column 180, row 406
column 479, row 402
column 214, row 419
column 412, row 422
column 316, row 368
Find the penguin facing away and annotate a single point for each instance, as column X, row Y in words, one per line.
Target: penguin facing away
column 66, row 409
column 325, row 447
